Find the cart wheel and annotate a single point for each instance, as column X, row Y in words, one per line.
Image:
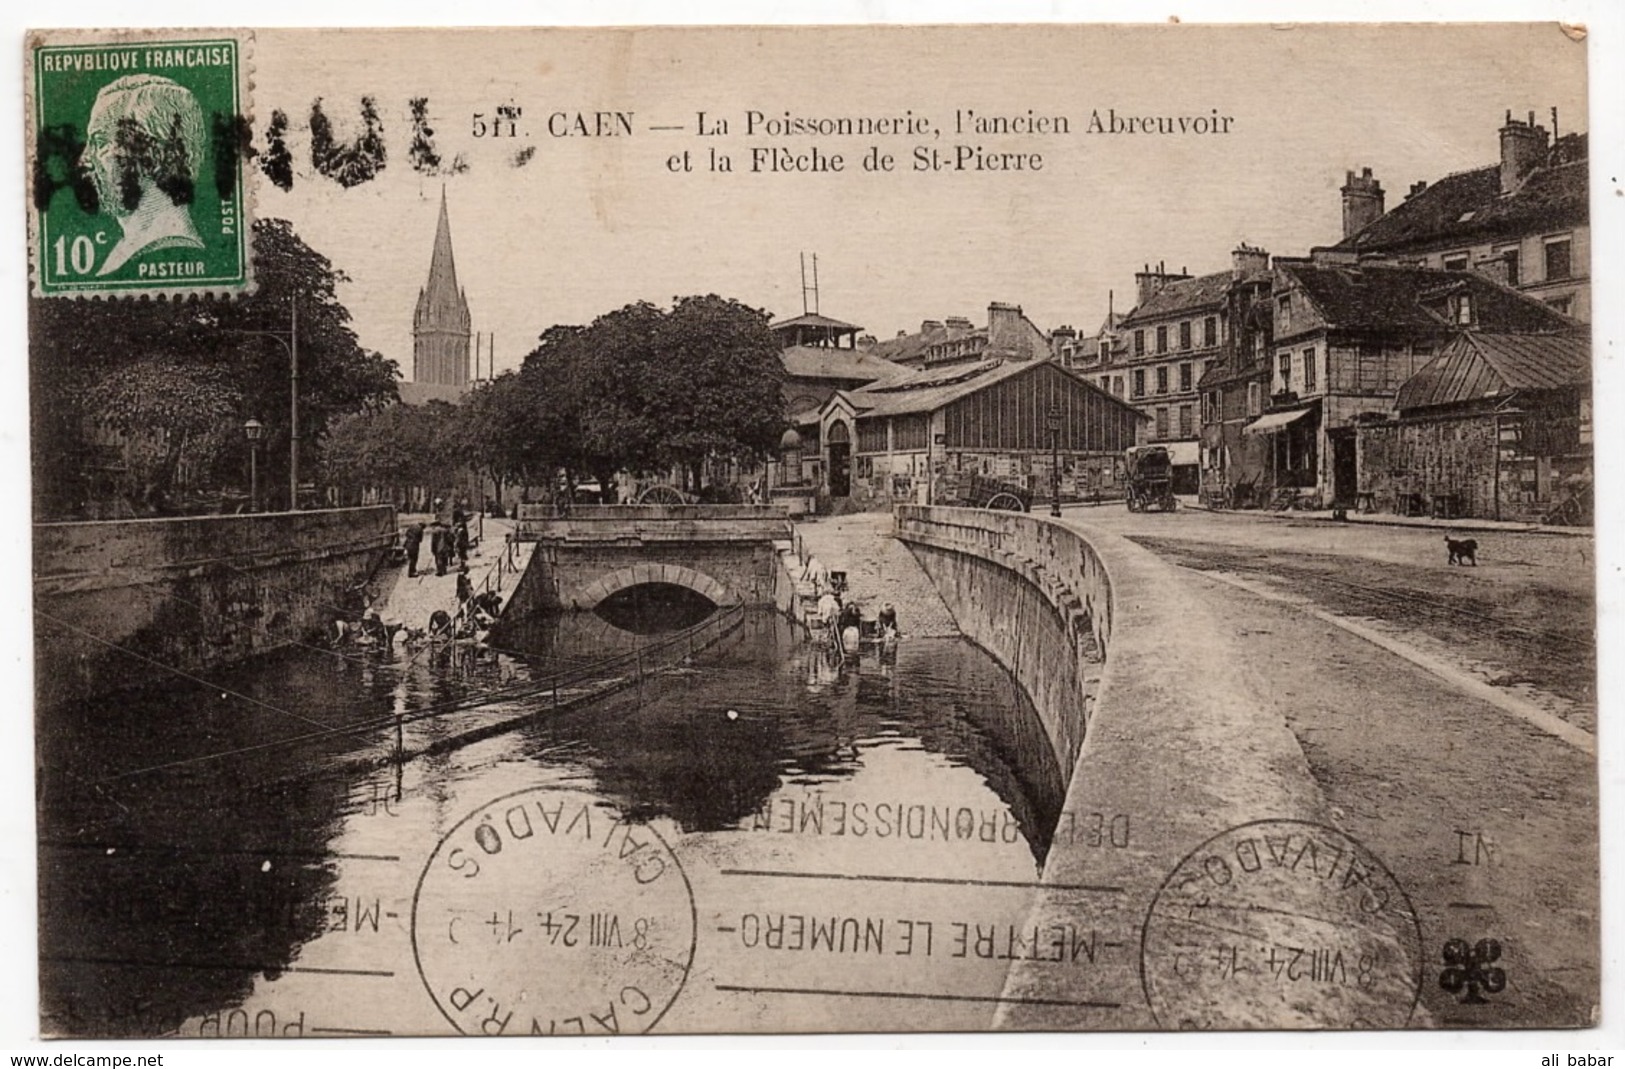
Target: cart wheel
column 1006, row 503
column 662, row 495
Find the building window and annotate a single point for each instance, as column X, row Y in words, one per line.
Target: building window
column 1308, row 369
column 1117, row 385
column 1139, row 343
column 1139, row 382
column 1255, row 398
column 1185, row 335
column 1209, row 403
column 1285, row 364
column 1283, row 305
column 1186, row 428
column 1185, row 376
column 1585, row 421
column 1461, row 310
column 1162, row 379
column 1558, row 262
column 1162, row 423
column 1509, row 256
column 1210, row 332
column 1454, row 261
column 1106, row 383
column 1162, row 339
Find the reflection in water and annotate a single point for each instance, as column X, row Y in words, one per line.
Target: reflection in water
column 194, row 860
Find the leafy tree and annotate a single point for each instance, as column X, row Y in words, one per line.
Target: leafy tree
column 645, row 390
column 79, row 351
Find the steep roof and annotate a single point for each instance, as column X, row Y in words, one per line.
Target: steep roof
column 906, row 347
column 1477, row 366
column 1469, row 205
column 1387, row 297
column 441, row 305
column 824, row 362
column 1186, row 295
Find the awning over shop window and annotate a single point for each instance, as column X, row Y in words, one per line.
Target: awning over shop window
column 1274, row 421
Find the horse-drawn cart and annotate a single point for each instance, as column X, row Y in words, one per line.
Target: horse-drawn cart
column 984, row 493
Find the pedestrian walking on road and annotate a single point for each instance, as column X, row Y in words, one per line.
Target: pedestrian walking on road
column 412, row 542
column 440, row 546
column 465, row 586
column 461, row 536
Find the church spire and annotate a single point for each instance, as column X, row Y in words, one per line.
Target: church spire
column 440, row 327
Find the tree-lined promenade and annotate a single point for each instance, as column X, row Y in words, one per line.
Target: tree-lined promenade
column 152, row 407
column 641, row 390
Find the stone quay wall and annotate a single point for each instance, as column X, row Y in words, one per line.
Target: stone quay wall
column 1165, row 737
column 125, row 602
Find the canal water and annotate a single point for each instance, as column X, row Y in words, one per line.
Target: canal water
column 756, row 836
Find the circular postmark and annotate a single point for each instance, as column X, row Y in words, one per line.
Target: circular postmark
column 1281, row 924
column 547, row 912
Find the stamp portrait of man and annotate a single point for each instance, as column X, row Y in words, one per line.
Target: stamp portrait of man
column 144, row 150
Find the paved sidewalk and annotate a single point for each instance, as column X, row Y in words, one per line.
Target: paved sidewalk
column 1386, row 519
column 878, row 569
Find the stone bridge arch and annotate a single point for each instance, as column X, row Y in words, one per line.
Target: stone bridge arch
column 719, row 593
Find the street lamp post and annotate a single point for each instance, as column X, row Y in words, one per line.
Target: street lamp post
column 254, row 430
column 1055, row 460
column 289, row 340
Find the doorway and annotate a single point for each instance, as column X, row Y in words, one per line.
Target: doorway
column 1345, row 467
column 840, row 460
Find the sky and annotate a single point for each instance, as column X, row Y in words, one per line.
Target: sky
column 588, row 224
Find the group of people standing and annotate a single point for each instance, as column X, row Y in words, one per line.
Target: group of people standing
column 448, row 537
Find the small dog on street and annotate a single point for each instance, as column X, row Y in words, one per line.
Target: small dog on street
column 1462, row 550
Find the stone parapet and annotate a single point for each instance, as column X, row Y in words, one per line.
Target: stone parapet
column 1167, row 740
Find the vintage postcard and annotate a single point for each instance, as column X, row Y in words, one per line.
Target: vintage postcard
column 479, row 590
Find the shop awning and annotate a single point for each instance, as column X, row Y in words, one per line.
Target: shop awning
column 1274, row 421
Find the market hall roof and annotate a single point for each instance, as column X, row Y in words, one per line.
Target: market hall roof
column 1476, row 366
column 932, row 388
column 827, row 362
column 1469, row 206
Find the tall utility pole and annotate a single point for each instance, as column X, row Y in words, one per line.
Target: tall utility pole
column 293, row 407
column 805, row 289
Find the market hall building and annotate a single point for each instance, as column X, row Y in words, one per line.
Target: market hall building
column 990, row 402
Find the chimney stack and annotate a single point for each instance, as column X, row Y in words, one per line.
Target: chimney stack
column 1246, row 260
column 1523, row 148
column 1362, row 202
column 1148, row 283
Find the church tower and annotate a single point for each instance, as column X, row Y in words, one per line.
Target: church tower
column 440, row 326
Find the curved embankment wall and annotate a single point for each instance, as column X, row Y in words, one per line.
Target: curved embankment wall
column 1164, row 737
column 116, row 600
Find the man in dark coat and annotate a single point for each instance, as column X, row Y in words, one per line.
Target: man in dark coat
column 412, row 542
column 460, row 540
column 440, row 545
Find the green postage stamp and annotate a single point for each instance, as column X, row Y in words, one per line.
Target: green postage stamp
column 136, row 171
